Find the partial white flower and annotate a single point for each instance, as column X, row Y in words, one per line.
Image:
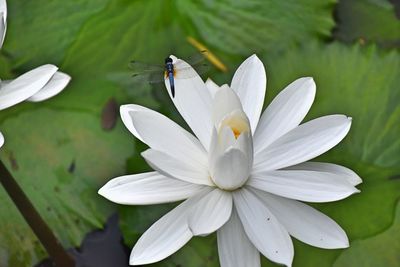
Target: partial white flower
column 1, row 139
column 36, row 85
column 3, row 21
column 244, row 176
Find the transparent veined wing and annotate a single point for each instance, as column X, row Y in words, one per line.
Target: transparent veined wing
column 144, row 72
column 149, row 77
column 196, row 61
column 138, row 67
column 182, row 71
column 197, row 58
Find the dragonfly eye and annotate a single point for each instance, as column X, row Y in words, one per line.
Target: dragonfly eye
column 168, row 60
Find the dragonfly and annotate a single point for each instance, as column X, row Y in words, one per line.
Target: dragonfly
column 155, row 73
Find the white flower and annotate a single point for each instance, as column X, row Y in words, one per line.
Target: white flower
column 36, row 85
column 1, row 139
column 3, row 21
column 244, row 176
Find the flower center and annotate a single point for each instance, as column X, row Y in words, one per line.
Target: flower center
column 236, row 132
column 237, row 124
column 231, row 155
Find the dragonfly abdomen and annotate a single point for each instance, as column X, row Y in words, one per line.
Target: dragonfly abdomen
column 169, row 68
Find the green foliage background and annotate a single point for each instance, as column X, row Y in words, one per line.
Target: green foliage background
column 60, row 154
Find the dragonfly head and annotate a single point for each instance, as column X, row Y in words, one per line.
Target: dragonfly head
column 168, row 60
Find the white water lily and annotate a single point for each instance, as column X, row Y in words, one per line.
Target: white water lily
column 36, row 85
column 3, row 21
column 243, row 176
column 1, row 139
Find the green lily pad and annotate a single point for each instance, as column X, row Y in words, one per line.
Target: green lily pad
column 140, row 30
column 240, row 27
column 60, row 159
column 49, row 28
column 389, row 256
column 368, row 21
column 152, row 29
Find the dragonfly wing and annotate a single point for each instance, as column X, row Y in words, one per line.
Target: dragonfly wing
column 156, row 77
column 196, row 58
column 201, row 67
column 182, row 71
column 148, row 77
column 144, row 72
column 139, row 67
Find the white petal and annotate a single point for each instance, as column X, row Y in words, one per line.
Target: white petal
column 219, row 144
column 167, row 235
column 56, row 84
column 212, row 87
column 303, row 143
column 1, row 139
column 249, row 82
column 147, row 188
column 163, row 238
column 230, row 170
column 25, row 85
column 308, row 186
column 162, row 134
column 193, row 101
column 263, row 229
column 225, row 102
column 175, row 168
column 126, row 112
column 3, row 8
column 343, row 172
column 3, row 21
column 211, row 212
column 2, row 29
column 234, row 247
column 222, row 140
column 245, row 144
column 285, row 112
column 305, row 223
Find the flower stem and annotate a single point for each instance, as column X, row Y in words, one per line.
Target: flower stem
column 53, row 247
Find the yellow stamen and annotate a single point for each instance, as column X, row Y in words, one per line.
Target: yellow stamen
column 209, row 56
column 237, row 122
column 236, row 133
